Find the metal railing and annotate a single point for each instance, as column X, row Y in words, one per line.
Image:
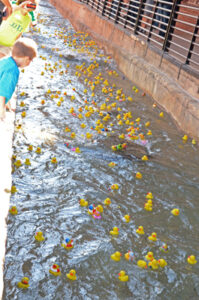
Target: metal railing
column 171, row 26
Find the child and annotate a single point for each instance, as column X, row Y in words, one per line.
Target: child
column 23, row 52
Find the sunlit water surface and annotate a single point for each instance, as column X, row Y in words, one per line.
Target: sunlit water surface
column 48, row 194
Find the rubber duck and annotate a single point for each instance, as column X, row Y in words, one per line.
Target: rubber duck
column 149, row 195
column 24, row 283
column 142, row 264
column 114, row 186
column 71, row 275
column 193, row 142
column 148, row 206
column 100, row 208
column 23, row 114
column 68, row 245
column 149, row 256
column 115, row 231
column 30, row 148
column 67, row 129
column 185, row 138
column 154, row 105
column 13, row 189
column 147, row 124
column 138, row 175
column 114, row 147
column 38, row 150
column 122, row 276
column 116, row 256
column 107, row 201
column 39, row 236
column 161, row 114
column 126, row 218
column 153, row 264
column 83, row 125
column 53, row 160
column 145, row 158
column 191, row 260
column 18, row 163
column 90, row 209
column 77, row 150
column 73, row 135
column 129, row 256
column 13, row 210
column 42, row 101
column 96, row 214
column 83, row 202
column 175, row 212
column 89, row 135
column 162, row 263
column 55, row 270
column 27, row 162
column 140, row 230
column 112, row 164
column 22, row 104
column 164, row 248
column 153, row 237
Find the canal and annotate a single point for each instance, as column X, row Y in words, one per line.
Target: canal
column 87, row 132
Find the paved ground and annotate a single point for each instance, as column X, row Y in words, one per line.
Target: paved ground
column 6, row 135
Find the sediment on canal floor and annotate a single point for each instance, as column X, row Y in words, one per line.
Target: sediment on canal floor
column 157, row 76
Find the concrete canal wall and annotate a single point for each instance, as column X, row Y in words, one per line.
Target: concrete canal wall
column 177, row 91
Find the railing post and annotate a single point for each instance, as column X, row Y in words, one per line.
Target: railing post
column 192, row 41
column 171, row 24
column 118, row 10
column 104, row 7
column 138, row 16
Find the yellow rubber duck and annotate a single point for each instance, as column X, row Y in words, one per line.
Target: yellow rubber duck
column 161, row 114
column 23, row 114
column 116, row 256
column 107, row 201
column 71, row 275
column 138, row 175
column 162, row 263
column 140, row 230
column 27, row 162
column 83, row 203
column 67, row 129
column 13, row 210
column 193, row 142
column 149, row 195
column 100, row 208
column 53, row 160
column 13, row 189
column 18, row 163
column 38, row 150
column 175, row 212
column 55, row 270
column 42, row 101
column 115, row 186
column 153, row 237
column 122, row 276
column 22, row 104
column 127, row 218
column 129, row 256
column 148, row 207
column 153, row 264
column 112, row 164
column 115, row 231
column 142, row 264
column 145, row 157
column 164, row 248
column 149, row 256
column 24, row 283
column 73, row 135
column 185, row 138
column 39, row 236
column 191, row 260
column 30, row 148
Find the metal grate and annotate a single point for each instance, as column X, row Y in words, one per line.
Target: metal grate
column 171, row 26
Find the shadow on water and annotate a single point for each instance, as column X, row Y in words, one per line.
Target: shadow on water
column 48, row 195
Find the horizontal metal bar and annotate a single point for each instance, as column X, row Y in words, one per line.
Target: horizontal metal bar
column 186, row 15
column 184, row 22
column 193, row 61
column 179, row 37
column 186, row 6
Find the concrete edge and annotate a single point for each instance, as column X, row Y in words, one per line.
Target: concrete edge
column 132, row 60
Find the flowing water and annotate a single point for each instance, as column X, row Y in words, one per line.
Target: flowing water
column 48, row 194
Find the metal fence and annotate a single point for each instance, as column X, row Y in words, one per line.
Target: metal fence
column 171, row 26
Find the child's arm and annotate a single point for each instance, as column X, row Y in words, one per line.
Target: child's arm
column 2, row 108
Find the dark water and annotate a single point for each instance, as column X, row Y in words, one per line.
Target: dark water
column 48, row 194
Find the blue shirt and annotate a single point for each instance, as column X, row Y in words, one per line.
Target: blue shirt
column 9, row 76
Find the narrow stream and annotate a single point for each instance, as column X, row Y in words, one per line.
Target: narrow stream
column 69, row 68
